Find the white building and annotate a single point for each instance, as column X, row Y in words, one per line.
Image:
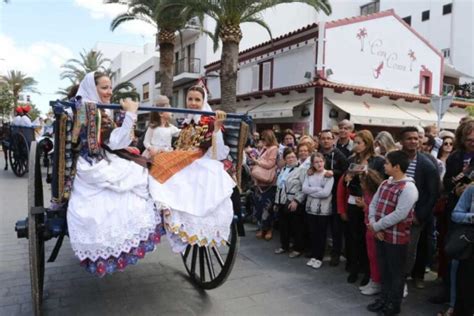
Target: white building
column 364, row 71
column 192, row 53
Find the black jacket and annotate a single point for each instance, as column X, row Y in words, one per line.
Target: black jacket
column 454, row 166
column 427, row 182
column 338, row 163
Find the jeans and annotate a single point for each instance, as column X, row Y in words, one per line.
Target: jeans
column 392, row 261
column 336, row 230
column 415, row 233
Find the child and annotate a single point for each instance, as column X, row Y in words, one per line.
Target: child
column 370, row 181
column 318, row 187
column 390, row 218
column 160, row 132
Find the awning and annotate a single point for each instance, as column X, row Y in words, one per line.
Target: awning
column 373, row 112
column 427, row 115
column 276, row 109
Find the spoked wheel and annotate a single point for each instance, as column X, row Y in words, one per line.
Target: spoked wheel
column 35, row 228
column 19, row 154
column 209, row 266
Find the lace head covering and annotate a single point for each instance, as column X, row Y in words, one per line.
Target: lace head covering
column 88, row 90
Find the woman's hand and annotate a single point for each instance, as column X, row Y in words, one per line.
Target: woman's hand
column 360, row 202
column 153, row 151
column 328, row 174
column 348, row 177
column 459, row 189
column 129, row 105
column 220, row 118
column 344, row 217
column 293, row 206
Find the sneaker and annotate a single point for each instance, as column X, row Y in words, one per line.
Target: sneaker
column 365, row 280
column 279, row 251
column 317, row 264
column 294, row 254
column 405, row 291
column 363, row 287
column 372, row 289
column 311, row 262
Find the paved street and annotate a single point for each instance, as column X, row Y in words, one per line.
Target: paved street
column 260, row 284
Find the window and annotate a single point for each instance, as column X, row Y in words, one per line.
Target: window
column 407, row 20
column 369, row 8
column 146, row 92
column 447, row 8
column 446, row 52
column 425, row 15
column 266, row 75
column 426, row 80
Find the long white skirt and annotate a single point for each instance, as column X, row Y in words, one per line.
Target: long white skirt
column 196, row 203
column 110, row 210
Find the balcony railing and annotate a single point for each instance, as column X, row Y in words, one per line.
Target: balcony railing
column 190, row 65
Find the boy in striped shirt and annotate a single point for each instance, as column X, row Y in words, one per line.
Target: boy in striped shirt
column 390, row 218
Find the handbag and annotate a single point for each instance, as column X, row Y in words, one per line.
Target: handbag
column 460, row 242
column 262, row 175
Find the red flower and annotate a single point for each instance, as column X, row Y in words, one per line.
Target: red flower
column 206, row 120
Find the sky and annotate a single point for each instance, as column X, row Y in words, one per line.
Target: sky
column 37, row 37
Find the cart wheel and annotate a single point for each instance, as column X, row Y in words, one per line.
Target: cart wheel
column 35, row 229
column 209, row 266
column 19, row 154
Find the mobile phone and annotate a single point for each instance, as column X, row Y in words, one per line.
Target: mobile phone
column 357, row 168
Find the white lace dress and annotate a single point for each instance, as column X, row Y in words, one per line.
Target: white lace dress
column 196, row 202
column 111, row 218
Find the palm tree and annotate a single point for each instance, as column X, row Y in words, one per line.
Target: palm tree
column 229, row 14
column 167, row 22
column 124, row 90
column 18, row 81
column 76, row 69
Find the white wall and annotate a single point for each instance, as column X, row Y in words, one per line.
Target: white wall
column 462, row 52
column 388, row 41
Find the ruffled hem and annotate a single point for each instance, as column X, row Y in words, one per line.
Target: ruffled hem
column 179, row 231
column 112, row 264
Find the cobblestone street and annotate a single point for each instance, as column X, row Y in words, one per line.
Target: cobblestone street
column 260, row 284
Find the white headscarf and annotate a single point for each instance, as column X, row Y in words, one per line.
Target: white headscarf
column 205, row 107
column 88, row 90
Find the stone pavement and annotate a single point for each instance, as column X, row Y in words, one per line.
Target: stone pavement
column 261, row 283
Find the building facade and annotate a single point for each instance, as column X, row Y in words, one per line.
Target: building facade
column 355, row 68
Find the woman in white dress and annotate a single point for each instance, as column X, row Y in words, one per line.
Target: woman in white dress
column 190, row 184
column 112, row 221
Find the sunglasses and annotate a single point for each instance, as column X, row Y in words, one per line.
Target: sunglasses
column 448, row 144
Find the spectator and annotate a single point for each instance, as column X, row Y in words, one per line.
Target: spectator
column 336, row 162
column 390, row 217
column 289, row 202
column 369, row 183
column 384, row 143
column 458, row 164
column 318, row 186
column 344, row 142
column 304, row 151
column 422, row 169
column 364, row 155
column 265, row 192
column 464, row 214
column 288, row 140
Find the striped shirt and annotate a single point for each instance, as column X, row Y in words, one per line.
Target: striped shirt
column 411, row 168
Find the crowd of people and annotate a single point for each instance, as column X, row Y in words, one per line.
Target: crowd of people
column 391, row 204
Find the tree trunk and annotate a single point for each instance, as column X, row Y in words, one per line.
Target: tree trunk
column 166, row 41
column 229, row 66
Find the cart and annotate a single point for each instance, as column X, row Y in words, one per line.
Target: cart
column 17, row 144
column 207, row 266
